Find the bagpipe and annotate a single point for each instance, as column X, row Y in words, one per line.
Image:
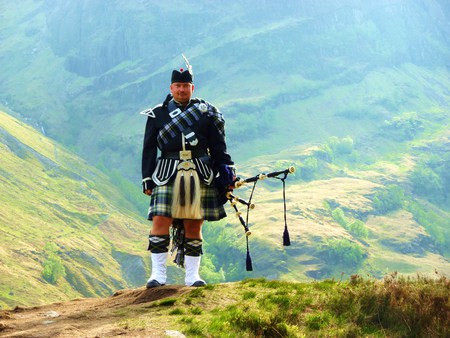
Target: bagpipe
column 234, row 200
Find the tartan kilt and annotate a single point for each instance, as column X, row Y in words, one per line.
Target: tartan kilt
column 161, row 202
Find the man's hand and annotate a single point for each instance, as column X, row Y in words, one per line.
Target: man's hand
column 227, row 175
column 147, row 186
column 225, row 181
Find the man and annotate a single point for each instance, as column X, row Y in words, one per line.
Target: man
column 183, row 181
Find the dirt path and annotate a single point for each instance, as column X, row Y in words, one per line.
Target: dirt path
column 93, row 317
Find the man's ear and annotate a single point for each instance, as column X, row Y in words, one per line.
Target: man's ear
column 193, row 87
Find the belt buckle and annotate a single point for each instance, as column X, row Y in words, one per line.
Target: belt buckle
column 185, row 155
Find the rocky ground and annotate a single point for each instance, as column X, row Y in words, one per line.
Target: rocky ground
column 92, row 317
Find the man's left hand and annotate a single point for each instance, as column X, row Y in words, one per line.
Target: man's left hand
column 227, row 176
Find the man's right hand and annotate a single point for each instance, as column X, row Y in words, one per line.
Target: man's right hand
column 147, row 186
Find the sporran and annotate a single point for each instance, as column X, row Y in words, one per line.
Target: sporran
column 186, row 195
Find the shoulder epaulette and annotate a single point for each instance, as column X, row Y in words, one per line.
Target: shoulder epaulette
column 149, row 111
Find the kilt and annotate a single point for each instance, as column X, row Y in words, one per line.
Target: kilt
column 161, row 202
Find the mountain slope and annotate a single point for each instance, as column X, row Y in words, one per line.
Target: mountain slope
column 303, row 69
column 58, row 211
column 323, row 215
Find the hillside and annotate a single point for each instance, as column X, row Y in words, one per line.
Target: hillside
column 394, row 307
column 60, row 214
column 66, row 232
column 336, row 224
column 354, row 94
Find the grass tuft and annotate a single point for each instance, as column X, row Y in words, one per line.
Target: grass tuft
column 167, row 302
column 176, row 312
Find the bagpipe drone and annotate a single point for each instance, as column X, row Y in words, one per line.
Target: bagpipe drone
column 234, row 200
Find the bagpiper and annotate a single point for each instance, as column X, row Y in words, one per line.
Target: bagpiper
column 185, row 169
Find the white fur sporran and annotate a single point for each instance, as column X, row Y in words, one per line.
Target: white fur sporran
column 186, row 192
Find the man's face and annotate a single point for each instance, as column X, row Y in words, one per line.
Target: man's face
column 182, row 91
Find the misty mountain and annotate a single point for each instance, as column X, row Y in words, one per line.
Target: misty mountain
column 81, row 71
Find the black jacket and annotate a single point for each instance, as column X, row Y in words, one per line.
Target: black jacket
column 209, row 131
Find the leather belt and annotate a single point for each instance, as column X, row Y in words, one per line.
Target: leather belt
column 175, row 155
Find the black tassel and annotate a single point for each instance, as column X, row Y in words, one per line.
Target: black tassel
column 192, row 187
column 182, row 191
column 286, row 238
column 248, row 261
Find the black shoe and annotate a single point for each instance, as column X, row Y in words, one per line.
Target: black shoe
column 199, row 283
column 153, row 284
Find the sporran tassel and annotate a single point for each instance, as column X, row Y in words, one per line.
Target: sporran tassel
column 193, row 190
column 176, row 196
column 182, row 191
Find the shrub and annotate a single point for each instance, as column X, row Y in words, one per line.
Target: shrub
column 343, row 251
column 390, row 199
column 53, row 266
column 338, row 216
column 53, row 269
column 404, row 127
column 359, row 229
column 427, row 183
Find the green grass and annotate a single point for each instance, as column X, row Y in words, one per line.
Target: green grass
column 396, row 307
column 167, row 302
